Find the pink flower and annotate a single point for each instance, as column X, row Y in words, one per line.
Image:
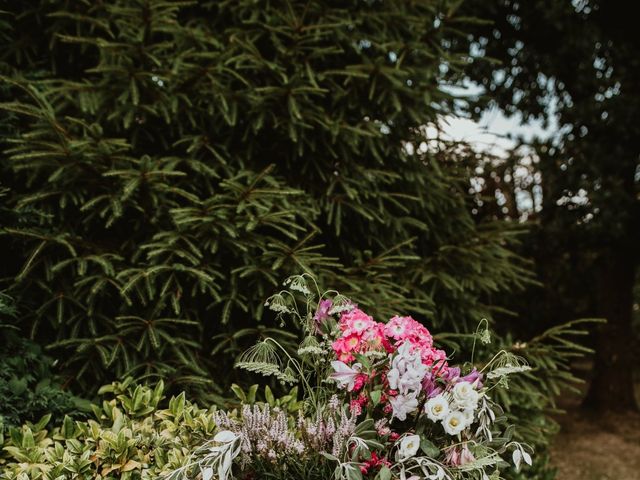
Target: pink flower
column 355, row 408
column 406, row 328
column 374, row 462
column 360, row 382
column 466, row 456
column 322, row 313
column 456, row 457
column 396, row 328
column 435, row 357
column 345, row 346
column 452, row 456
column 355, row 322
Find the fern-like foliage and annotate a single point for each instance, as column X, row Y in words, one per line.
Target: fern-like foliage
column 177, row 159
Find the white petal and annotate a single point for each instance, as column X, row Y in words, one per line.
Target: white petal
column 527, row 458
column 517, row 458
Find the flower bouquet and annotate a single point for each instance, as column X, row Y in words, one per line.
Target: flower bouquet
column 380, row 401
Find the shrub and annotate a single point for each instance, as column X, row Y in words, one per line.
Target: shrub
column 130, row 437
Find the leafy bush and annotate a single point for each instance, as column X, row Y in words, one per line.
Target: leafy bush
column 130, row 437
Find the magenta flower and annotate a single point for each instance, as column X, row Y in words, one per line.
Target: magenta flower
column 475, row 378
column 322, row 313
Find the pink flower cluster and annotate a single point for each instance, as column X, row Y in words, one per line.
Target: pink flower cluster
column 360, row 334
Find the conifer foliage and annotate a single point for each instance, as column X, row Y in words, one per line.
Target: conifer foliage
column 177, row 160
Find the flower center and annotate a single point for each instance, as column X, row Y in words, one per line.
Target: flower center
column 453, row 422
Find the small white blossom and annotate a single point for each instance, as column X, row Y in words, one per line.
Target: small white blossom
column 409, row 446
column 454, row 423
column 437, row 408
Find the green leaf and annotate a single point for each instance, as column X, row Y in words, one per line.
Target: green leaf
column 429, row 448
column 384, row 473
column 269, row 396
column 238, row 392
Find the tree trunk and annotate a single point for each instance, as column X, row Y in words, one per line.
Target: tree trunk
column 612, row 386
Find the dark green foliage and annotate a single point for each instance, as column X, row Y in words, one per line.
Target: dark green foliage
column 531, row 398
column 28, row 386
column 185, row 157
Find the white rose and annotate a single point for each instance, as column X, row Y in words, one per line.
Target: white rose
column 465, row 395
column 437, row 408
column 454, row 423
column 469, row 415
column 409, row 446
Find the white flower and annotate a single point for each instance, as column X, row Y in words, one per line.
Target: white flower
column 409, row 446
column 225, row 436
column 407, row 370
column 469, row 414
column 465, row 395
column 454, row 423
column 404, row 404
column 518, row 455
column 437, row 408
column 344, row 374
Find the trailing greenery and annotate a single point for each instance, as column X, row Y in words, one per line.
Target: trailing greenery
column 179, row 158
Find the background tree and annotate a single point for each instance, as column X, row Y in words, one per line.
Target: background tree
column 576, row 62
column 181, row 158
